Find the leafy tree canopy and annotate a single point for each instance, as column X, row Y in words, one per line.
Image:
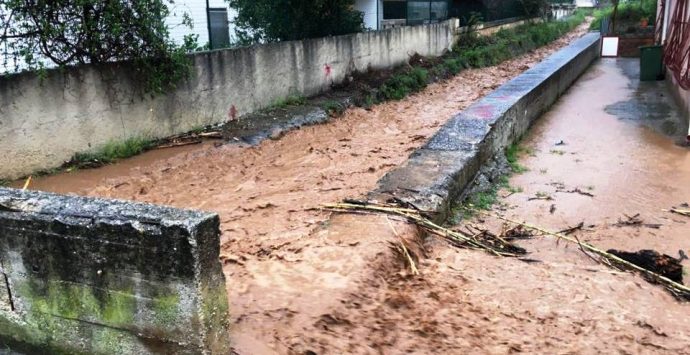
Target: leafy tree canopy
column 39, row 33
column 283, row 20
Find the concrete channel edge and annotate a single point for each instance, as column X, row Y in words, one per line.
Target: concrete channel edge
column 81, row 275
column 439, row 172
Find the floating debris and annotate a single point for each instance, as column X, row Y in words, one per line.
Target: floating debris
column 636, row 221
column 651, row 260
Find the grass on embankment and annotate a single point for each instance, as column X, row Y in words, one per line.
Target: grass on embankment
column 486, row 199
column 473, row 51
column 115, row 150
column 109, row 153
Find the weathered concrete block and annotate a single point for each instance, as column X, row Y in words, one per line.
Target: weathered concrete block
column 86, row 275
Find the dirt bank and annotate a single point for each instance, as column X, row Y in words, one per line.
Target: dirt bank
column 289, row 267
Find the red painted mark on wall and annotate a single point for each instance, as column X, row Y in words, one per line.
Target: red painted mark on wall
column 232, row 113
column 484, row 111
column 327, row 69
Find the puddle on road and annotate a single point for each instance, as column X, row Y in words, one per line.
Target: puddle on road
column 619, row 145
column 649, row 103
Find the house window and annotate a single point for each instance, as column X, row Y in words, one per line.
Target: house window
column 394, row 10
column 219, row 31
column 430, row 11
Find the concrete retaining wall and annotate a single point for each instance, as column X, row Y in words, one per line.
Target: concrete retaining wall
column 681, row 96
column 43, row 122
column 84, row 275
column 438, row 173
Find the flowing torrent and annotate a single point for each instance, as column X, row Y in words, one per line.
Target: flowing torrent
column 273, row 241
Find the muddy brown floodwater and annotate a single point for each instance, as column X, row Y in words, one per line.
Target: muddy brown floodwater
column 298, row 281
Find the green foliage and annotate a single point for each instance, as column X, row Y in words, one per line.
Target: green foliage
column 536, row 8
column 484, row 200
column 506, row 44
column 403, row 84
column 292, row 100
column 476, row 51
column 469, row 36
column 629, row 14
column 285, row 20
column 333, row 107
column 513, row 153
column 40, row 33
column 113, row 151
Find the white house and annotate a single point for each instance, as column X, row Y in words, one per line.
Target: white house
column 383, row 14
column 586, row 3
column 373, row 13
column 216, row 29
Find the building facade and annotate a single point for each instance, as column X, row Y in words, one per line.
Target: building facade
column 674, row 33
column 384, row 14
column 212, row 22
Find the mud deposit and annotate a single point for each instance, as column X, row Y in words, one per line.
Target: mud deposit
column 301, row 280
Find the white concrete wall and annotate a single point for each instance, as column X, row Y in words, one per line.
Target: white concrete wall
column 197, row 11
column 44, row 122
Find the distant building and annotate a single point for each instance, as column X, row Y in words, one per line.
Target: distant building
column 586, row 3
column 383, row 14
column 212, row 22
column 676, row 41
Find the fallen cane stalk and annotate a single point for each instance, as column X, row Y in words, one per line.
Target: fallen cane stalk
column 677, row 289
column 685, row 213
column 27, row 183
column 415, row 217
column 672, row 285
column 413, row 266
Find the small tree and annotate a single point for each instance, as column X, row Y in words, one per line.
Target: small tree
column 536, row 8
column 36, row 33
column 283, row 20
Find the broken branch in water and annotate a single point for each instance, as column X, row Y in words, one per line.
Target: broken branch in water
column 570, row 230
column 27, row 183
column 403, row 249
column 635, row 221
column 473, row 242
column 483, row 241
column 677, row 289
column 576, row 190
column 679, row 211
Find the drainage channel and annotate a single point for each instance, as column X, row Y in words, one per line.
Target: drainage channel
column 290, row 265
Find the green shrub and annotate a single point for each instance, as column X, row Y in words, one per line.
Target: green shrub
column 292, row 100
column 401, row 85
column 479, row 51
column 114, row 150
column 630, row 13
column 453, row 65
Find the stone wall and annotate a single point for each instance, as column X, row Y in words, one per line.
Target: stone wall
column 681, row 96
column 43, row 122
column 84, row 275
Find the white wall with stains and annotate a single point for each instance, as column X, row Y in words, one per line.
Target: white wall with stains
column 43, row 122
